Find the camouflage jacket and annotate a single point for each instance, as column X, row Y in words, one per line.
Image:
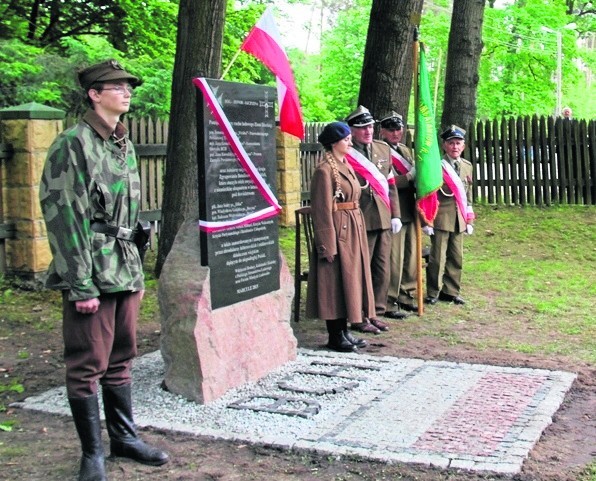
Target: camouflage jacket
column 91, row 175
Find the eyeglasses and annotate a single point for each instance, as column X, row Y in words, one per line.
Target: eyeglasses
column 120, row 89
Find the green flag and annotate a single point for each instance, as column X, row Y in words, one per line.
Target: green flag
column 429, row 173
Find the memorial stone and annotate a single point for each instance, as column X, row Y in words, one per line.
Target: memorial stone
column 225, row 290
column 245, row 259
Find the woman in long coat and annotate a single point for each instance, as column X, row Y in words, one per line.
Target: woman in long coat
column 339, row 283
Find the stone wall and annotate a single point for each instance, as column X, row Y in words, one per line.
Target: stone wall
column 288, row 176
column 30, row 129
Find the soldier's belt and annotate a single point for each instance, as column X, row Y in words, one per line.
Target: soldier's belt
column 347, row 205
column 118, row 232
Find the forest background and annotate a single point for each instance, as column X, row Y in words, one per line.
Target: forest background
column 42, row 44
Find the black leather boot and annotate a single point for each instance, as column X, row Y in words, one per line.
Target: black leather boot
column 337, row 340
column 85, row 412
column 124, row 441
column 348, row 335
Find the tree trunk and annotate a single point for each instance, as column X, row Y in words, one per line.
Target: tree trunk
column 463, row 59
column 198, row 54
column 387, row 69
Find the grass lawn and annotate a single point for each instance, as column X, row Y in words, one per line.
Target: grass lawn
column 529, row 279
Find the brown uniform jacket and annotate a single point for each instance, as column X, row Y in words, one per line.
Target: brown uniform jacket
column 449, row 218
column 376, row 214
column 405, row 188
column 342, row 288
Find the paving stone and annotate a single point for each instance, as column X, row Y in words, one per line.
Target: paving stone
column 436, row 413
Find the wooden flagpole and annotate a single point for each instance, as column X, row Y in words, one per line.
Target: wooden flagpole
column 230, row 64
column 419, row 287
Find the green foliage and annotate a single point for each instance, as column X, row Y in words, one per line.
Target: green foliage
column 14, row 386
column 519, row 60
column 434, row 34
column 23, row 354
column 517, row 68
column 127, row 25
column 342, row 56
column 153, row 97
column 5, row 295
column 142, row 37
column 589, row 473
column 245, row 67
column 150, row 28
column 17, row 72
column 307, row 72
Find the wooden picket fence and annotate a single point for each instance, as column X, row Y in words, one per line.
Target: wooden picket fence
column 517, row 161
column 150, row 138
column 311, row 153
column 533, row 161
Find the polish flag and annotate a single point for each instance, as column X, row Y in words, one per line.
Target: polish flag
column 264, row 42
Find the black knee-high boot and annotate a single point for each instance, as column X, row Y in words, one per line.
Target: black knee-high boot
column 337, row 340
column 85, row 412
column 124, row 441
column 348, row 335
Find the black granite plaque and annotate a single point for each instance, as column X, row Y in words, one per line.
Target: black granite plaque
column 243, row 260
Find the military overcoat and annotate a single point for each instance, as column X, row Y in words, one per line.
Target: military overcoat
column 342, row 288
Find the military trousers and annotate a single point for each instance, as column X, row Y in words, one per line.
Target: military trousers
column 100, row 347
column 444, row 269
column 402, row 279
column 379, row 248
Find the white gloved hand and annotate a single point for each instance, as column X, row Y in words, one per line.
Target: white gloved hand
column 395, row 225
column 428, row 230
column 412, row 174
column 469, row 229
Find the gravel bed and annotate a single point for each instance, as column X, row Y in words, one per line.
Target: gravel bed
column 306, row 400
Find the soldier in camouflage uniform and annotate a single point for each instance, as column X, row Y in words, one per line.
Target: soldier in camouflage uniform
column 90, row 194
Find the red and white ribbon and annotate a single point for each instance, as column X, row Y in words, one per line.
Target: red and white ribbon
column 366, row 169
column 453, row 181
column 400, row 163
column 245, row 161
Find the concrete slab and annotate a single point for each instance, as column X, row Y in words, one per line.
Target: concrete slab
column 444, row 414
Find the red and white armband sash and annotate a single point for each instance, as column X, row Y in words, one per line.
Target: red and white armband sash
column 366, row 169
column 400, row 163
column 453, row 181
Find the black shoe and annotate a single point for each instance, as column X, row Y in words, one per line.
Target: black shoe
column 339, row 343
column 337, row 340
column 430, row 300
column 124, row 441
column 407, row 307
column 354, row 340
column 395, row 315
column 449, row 298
